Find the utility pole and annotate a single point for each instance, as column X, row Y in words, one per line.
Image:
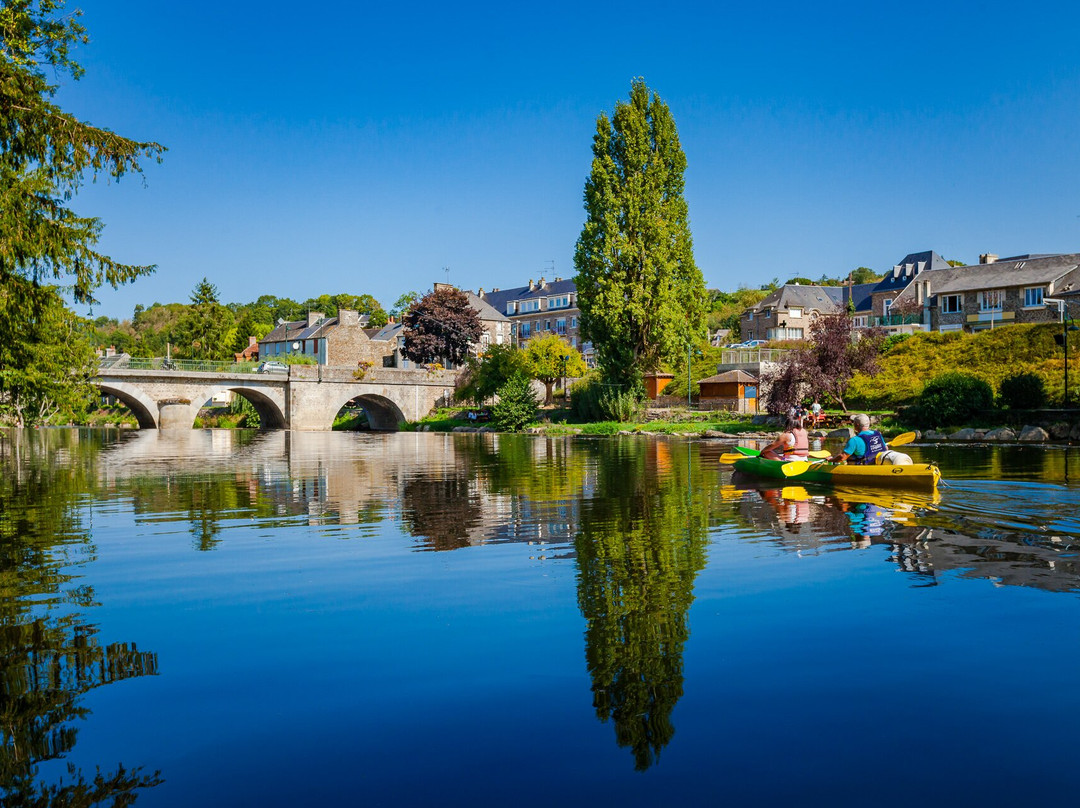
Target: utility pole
column 1064, row 339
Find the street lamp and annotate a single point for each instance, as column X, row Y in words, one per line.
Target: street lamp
column 1061, row 304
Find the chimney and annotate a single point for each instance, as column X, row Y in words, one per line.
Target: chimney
column 348, row 317
column 480, row 292
column 532, row 285
column 494, row 289
column 557, row 279
column 542, row 283
column 313, row 317
column 253, row 341
column 987, row 258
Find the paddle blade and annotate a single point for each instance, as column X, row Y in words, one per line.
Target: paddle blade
column 794, row 467
column 820, row 454
column 900, row 440
column 730, row 457
column 748, row 452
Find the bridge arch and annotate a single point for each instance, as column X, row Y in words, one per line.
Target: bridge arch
column 269, row 410
column 141, row 405
column 383, row 414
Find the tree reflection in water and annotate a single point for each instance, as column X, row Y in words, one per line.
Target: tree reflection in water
column 641, row 545
column 49, row 653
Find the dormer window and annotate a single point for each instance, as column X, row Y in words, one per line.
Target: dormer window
column 795, row 311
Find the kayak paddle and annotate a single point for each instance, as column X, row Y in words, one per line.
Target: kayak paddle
column 901, row 439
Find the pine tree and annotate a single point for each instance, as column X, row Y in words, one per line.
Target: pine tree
column 46, row 154
column 641, row 295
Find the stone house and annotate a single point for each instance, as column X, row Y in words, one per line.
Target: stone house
column 341, row 341
column 541, row 308
column 993, row 292
column 786, row 314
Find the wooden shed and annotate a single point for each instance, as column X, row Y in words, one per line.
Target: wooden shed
column 735, row 386
column 656, row 382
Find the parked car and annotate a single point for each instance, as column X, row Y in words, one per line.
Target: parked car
column 272, row 367
column 755, row 343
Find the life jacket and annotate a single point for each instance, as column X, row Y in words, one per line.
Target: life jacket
column 802, row 444
column 874, row 442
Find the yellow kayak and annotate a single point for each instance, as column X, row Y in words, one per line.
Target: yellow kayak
column 924, row 476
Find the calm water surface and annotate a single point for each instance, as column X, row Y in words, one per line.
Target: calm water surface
column 230, row 618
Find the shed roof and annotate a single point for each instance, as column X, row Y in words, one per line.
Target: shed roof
column 740, row 376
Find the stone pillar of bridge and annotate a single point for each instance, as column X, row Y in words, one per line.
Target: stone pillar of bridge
column 174, row 413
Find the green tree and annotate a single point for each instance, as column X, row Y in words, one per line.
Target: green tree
column 46, row 154
column 404, row 303
column 45, row 356
column 641, row 295
column 204, row 333
column 549, row 358
column 489, row 372
column 516, row 407
column 864, row 275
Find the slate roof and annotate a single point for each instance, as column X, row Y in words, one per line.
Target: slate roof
column 823, row 298
column 1001, row 274
column 486, row 310
column 861, row 293
column 498, row 300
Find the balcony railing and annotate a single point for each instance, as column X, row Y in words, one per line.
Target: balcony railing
column 751, row 356
column 895, row 319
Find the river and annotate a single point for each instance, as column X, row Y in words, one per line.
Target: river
column 216, row 617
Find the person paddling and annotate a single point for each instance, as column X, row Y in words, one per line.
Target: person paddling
column 793, row 443
column 863, row 448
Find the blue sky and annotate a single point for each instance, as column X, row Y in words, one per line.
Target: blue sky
column 355, row 147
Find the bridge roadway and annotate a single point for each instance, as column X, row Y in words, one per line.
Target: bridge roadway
column 308, row 397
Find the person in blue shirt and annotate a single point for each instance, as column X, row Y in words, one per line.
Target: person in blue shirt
column 863, row 448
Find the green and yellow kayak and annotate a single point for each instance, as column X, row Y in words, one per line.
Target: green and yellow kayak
column 923, row 476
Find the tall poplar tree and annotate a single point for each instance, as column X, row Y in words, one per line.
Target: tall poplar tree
column 642, row 297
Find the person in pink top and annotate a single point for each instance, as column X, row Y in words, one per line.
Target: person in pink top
column 793, row 443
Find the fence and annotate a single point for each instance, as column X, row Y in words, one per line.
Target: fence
column 124, row 362
column 751, row 356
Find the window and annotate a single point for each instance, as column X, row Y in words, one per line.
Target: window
column 573, row 322
column 860, row 321
column 510, row 307
column 794, row 312
column 750, row 315
column 573, row 342
column 526, row 330
column 560, row 302
column 1033, row 296
column 560, row 326
column 886, row 307
column 547, row 325
column 530, row 305
column 951, row 304
column 991, row 299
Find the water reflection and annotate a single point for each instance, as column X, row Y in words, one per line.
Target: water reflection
column 635, row 516
column 50, row 650
column 641, row 544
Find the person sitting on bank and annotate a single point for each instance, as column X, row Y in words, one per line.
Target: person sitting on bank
column 863, row 448
column 793, row 443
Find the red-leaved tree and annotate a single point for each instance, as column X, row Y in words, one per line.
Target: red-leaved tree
column 441, row 326
column 836, row 352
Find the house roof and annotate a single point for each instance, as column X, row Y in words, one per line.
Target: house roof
column 862, row 294
column 822, row 298
column 486, row 310
column 499, row 299
column 740, row 376
column 1000, row 274
column 286, row 331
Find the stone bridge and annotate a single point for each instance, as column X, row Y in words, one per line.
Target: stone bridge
column 308, row 397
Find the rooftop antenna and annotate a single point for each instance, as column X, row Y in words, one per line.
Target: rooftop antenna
column 552, row 262
column 447, row 271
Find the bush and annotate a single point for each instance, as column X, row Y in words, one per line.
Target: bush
column 592, row 400
column 953, row 399
column 517, row 405
column 1023, row 391
column 892, row 341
